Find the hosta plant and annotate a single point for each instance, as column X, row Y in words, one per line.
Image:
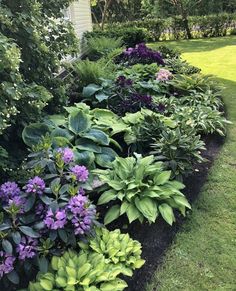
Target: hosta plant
column 83, row 271
column 202, row 118
column 141, row 189
column 90, row 142
column 48, row 214
column 117, row 248
column 179, row 149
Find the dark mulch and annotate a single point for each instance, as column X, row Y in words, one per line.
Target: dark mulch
column 156, row 238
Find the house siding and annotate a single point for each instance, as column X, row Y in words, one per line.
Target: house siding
column 80, row 14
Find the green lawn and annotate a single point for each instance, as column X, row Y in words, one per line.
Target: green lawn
column 203, row 256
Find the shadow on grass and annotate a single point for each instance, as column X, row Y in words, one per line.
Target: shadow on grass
column 198, row 45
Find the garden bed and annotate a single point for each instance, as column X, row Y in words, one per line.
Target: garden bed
column 136, row 124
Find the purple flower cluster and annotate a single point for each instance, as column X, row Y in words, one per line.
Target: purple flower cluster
column 27, row 248
column 55, row 220
column 6, row 263
column 82, row 212
column 143, row 54
column 35, row 185
column 8, row 191
column 67, row 155
column 123, row 82
column 81, row 173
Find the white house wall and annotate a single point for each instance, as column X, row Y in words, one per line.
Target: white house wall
column 80, row 14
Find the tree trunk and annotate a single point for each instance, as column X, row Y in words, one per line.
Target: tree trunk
column 186, row 27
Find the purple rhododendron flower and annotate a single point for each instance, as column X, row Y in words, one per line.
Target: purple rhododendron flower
column 164, row 75
column 41, row 210
column 9, row 190
column 6, row 263
column 27, row 248
column 18, row 202
column 35, row 185
column 80, row 172
column 83, row 214
column 67, row 155
column 55, row 220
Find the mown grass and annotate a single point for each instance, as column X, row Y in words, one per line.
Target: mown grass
column 203, row 256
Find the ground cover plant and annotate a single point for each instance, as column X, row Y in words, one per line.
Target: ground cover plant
column 131, row 131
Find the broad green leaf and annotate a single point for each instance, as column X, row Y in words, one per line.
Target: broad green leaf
column 106, row 158
column 78, row 122
column 112, row 214
column 132, row 213
column 88, row 145
column 46, row 284
column 97, row 136
column 61, row 132
column 90, row 90
column 162, row 178
column 116, row 285
column 83, row 270
column 117, row 185
column 43, row 265
column 33, row 133
column 180, row 200
column 29, row 231
column 167, row 213
column 84, row 157
column 13, row 277
column 7, row 246
column 124, row 207
column 107, row 197
column 147, row 207
column 61, row 282
column 101, row 96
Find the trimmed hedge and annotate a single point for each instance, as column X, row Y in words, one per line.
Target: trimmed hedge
column 134, row 32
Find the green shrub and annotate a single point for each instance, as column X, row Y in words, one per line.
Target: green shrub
column 180, row 150
column 20, row 103
column 130, row 36
column 89, row 135
column 83, row 271
column 86, row 72
column 140, row 72
column 96, row 267
column 117, row 248
column 140, row 189
column 97, row 47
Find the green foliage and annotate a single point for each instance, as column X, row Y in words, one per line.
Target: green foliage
column 87, row 72
column 144, row 126
column 43, row 36
column 89, row 132
column 201, row 83
column 141, row 190
column 140, row 72
column 130, row 35
column 79, row 271
column 179, row 149
column 96, row 267
column 97, row 47
column 174, row 27
column 117, row 248
column 203, row 119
